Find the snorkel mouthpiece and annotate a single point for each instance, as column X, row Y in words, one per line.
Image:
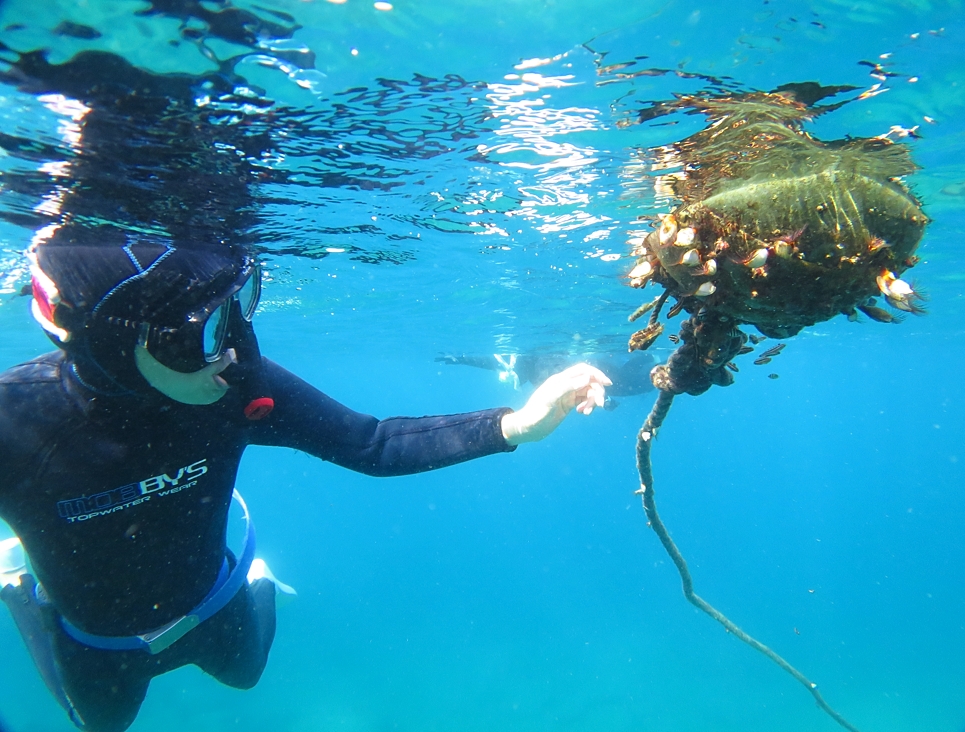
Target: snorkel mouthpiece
column 249, row 377
column 205, row 386
column 248, row 372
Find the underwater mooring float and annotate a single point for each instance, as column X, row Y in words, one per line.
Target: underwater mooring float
column 777, row 230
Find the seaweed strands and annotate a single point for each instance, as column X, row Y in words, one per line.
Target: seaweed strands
column 646, row 492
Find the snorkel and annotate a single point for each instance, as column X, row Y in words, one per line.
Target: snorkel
column 223, row 334
column 197, row 387
column 246, row 373
column 207, row 385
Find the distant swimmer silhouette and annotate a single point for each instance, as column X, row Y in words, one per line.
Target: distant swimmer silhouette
column 629, row 372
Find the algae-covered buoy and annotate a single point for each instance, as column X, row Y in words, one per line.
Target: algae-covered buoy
column 776, row 229
column 773, row 229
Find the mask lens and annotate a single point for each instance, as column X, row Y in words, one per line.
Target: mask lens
column 215, row 329
column 249, row 295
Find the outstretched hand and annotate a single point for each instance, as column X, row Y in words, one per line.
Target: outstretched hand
column 581, row 387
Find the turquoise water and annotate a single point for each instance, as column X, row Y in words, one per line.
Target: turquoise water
column 437, row 200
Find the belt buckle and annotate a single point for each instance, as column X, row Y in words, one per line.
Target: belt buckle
column 162, row 638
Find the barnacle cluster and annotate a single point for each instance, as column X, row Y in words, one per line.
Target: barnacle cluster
column 776, row 228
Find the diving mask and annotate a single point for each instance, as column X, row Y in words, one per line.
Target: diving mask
column 200, row 341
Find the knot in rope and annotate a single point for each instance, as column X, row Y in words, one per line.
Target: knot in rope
column 708, row 341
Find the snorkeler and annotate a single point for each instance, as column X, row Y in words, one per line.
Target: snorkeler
column 119, row 451
column 630, row 373
column 118, row 458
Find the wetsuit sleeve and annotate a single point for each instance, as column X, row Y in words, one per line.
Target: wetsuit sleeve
column 306, row 419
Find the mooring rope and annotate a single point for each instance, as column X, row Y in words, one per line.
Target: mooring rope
column 649, row 430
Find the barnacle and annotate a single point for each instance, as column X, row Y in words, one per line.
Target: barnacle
column 899, row 294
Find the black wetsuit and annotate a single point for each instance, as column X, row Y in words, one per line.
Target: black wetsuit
column 121, row 505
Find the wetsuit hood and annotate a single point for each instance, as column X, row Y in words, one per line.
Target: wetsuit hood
column 103, row 303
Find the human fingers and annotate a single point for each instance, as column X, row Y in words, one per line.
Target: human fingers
column 584, row 371
column 580, row 386
column 594, row 396
column 577, row 379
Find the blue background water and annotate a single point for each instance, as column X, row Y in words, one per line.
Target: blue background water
column 822, row 511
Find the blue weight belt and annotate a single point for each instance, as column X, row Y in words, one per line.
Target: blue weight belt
column 226, row 587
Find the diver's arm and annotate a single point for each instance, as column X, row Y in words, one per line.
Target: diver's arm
column 306, row 419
